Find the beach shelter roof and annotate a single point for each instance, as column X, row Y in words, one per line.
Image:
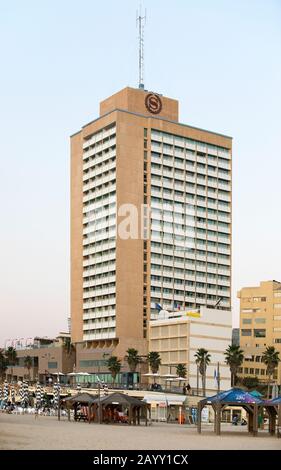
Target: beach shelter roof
column 255, row 393
column 120, row 399
column 82, row 398
column 275, row 401
column 233, row 396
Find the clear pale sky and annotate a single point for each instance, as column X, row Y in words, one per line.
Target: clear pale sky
column 220, row 59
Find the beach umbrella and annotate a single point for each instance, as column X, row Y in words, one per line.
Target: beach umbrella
column 13, row 394
column 6, row 392
column 21, row 393
column 169, row 376
column 39, row 395
column 56, row 395
column 25, row 397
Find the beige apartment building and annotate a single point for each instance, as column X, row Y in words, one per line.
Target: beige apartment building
column 178, row 335
column 260, row 326
column 136, row 157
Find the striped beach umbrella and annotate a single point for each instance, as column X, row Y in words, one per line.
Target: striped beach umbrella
column 21, row 392
column 56, row 395
column 6, row 392
column 13, row 395
column 25, row 394
column 39, row 395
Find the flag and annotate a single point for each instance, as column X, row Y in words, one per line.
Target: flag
column 158, row 307
column 215, row 377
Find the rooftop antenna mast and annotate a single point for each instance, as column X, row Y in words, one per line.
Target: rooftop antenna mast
column 141, row 20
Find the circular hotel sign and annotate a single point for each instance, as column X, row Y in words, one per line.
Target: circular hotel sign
column 153, row 103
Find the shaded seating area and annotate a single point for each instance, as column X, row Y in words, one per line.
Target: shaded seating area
column 233, row 397
column 84, row 405
column 122, row 408
column 273, row 408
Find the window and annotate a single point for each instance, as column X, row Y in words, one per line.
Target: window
column 277, row 294
column 277, row 340
column 277, row 317
column 247, row 321
column 259, row 299
column 258, row 359
column 251, row 370
column 276, row 329
column 260, row 320
column 246, row 332
column 93, row 363
column 52, row 365
column 257, row 371
column 246, row 370
column 247, row 310
column 249, row 358
column 259, row 333
column 277, row 305
column 262, row 372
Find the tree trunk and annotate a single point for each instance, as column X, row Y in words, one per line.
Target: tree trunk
column 268, row 386
column 203, row 385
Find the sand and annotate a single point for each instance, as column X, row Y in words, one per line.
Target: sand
column 26, row 432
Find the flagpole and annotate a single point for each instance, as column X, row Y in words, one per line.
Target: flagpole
column 218, row 377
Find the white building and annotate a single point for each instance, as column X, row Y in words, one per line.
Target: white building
column 178, row 335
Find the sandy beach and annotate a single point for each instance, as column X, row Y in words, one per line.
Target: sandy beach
column 26, row 432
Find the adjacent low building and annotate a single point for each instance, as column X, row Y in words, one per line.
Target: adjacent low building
column 49, row 356
column 260, row 326
column 178, row 335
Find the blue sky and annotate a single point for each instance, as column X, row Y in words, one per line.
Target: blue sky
column 220, row 59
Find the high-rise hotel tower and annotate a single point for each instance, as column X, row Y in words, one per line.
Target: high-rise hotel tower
column 137, row 163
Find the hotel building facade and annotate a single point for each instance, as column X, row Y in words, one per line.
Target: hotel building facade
column 260, row 326
column 175, row 181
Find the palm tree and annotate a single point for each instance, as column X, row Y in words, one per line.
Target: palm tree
column 271, row 359
column 68, row 346
column 181, row 370
column 3, row 363
column 28, row 363
column 114, row 366
column 202, row 359
column 234, row 357
column 11, row 355
column 133, row 359
column 154, row 361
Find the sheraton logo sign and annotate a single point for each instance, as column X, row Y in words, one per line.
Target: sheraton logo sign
column 153, row 103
